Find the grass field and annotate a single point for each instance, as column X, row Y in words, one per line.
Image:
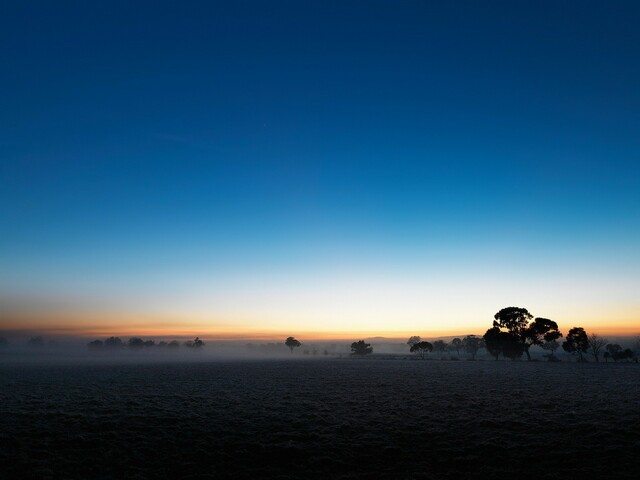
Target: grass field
column 332, row 418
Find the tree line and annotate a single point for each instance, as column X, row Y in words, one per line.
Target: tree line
column 139, row 343
column 513, row 332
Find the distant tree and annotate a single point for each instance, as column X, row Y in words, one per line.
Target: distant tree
column 3, row 342
column 413, row 340
column 596, row 342
column 617, row 353
column 95, row 345
column 113, row 342
column 173, row 344
column 576, row 343
column 607, row 356
column 361, row 348
column 457, row 344
column 613, row 349
column 472, row 344
column 196, row 344
column 292, row 343
column 551, row 346
column 162, row 344
column 149, row 343
column 440, row 346
column 36, row 342
column 421, row 348
column 517, row 321
column 136, row 342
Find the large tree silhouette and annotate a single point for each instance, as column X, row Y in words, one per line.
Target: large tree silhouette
column 502, row 343
column 517, row 321
column 576, row 343
column 413, row 340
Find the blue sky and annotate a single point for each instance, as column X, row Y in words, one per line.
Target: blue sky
column 246, row 150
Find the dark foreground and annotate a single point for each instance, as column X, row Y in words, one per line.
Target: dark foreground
column 321, row 419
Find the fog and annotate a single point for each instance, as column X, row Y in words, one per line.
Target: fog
column 36, row 349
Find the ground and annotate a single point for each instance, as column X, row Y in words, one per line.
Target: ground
column 334, row 418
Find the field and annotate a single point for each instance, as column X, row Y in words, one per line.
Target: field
column 334, row 418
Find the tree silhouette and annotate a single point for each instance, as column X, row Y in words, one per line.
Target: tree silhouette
column 421, row 348
column 472, row 344
column 517, row 321
column 596, row 342
column 173, row 344
column 576, row 342
column 195, row 344
column 413, row 340
column 136, row 342
column 440, row 346
column 292, row 343
column 149, row 343
column 113, row 342
column 361, row 348
column 502, row 343
column 456, row 344
column 551, row 346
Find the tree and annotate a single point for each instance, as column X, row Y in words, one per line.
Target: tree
column 292, row 343
column 576, row 342
column 421, row 348
column 149, row 343
column 456, row 344
column 492, row 342
column 551, row 346
column 440, row 346
column 95, row 345
column 136, row 342
column 113, row 342
column 173, row 344
column 613, row 349
column 502, row 343
column 596, row 342
column 413, row 340
column 361, row 348
column 472, row 344
column 517, row 321
column 196, row 344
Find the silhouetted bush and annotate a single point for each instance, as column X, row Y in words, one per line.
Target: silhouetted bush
column 95, row 345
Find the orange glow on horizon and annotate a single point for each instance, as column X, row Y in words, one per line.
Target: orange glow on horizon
column 100, row 325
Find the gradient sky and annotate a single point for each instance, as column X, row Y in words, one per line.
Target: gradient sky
column 318, row 168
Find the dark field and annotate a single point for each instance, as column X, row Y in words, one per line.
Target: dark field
column 367, row 418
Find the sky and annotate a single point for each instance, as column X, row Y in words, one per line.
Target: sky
column 324, row 169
